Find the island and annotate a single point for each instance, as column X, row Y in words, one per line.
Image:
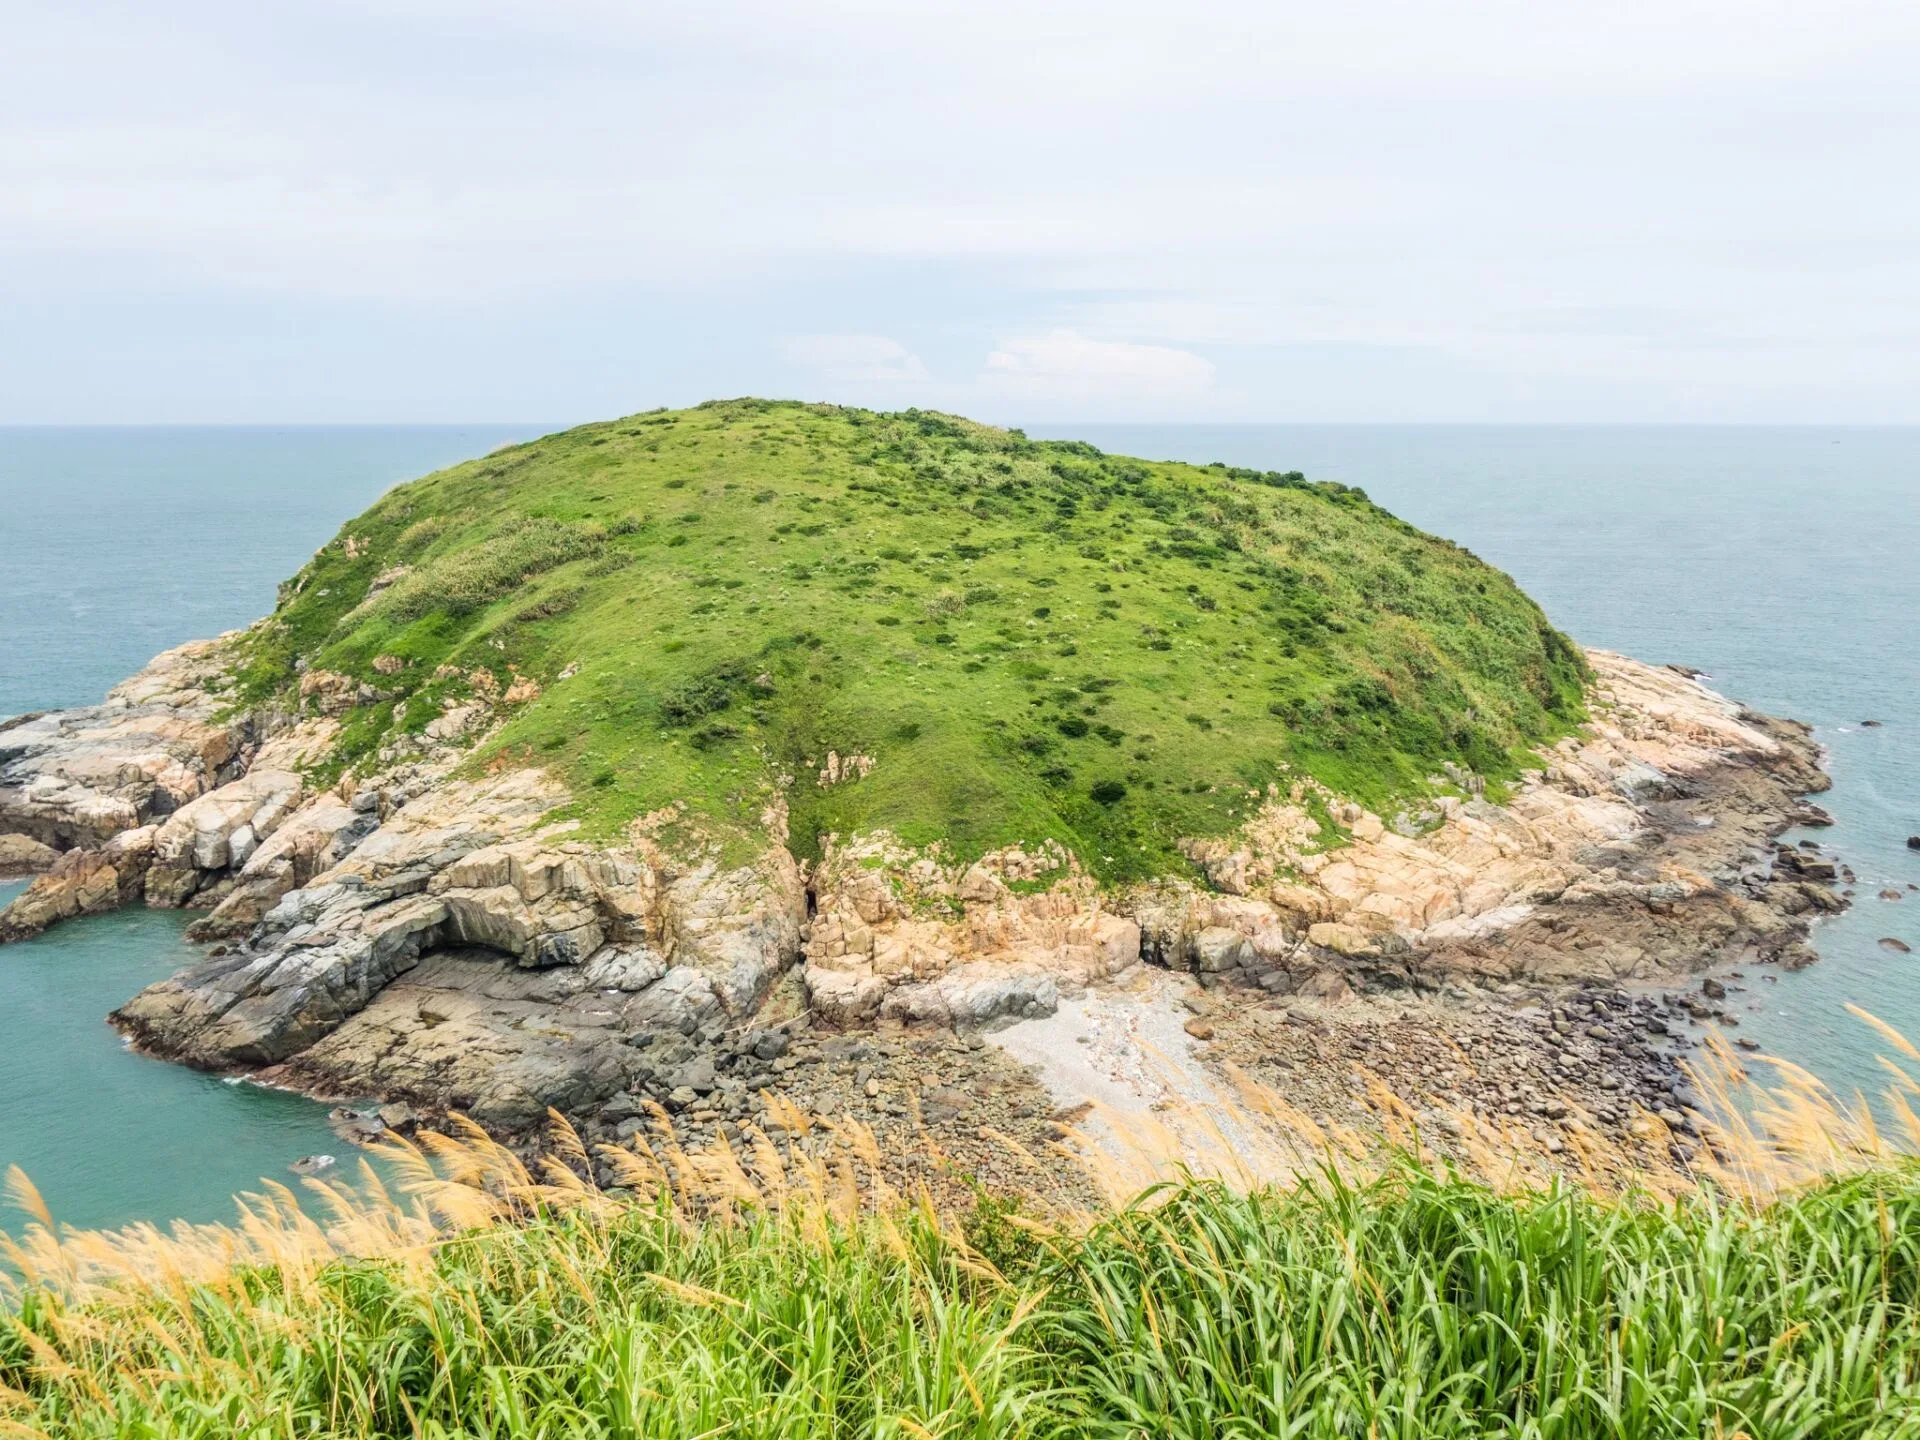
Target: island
column 697, row 758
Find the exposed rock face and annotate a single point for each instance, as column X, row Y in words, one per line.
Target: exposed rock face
column 463, row 1028
column 905, row 937
column 288, row 857
column 469, row 866
column 81, row 882
column 1639, row 851
column 218, row 831
column 80, row 777
column 21, row 854
column 442, row 940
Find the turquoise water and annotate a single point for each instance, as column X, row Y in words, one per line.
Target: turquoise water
column 1781, row 561
column 121, row 542
column 109, row 1135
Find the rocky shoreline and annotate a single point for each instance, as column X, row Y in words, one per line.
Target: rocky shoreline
column 429, row 936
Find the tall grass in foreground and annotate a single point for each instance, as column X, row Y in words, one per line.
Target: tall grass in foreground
column 1377, row 1296
column 1412, row 1305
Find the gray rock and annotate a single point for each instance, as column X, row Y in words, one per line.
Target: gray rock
column 973, row 994
column 621, row 1107
column 1216, row 949
column 770, row 1045
column 630, row 968
column 696, row 1075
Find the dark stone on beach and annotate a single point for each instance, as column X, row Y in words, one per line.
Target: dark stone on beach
column 770, row 1045
column 1806, row 865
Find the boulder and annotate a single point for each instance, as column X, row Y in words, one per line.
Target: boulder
column 843, row 997
column 626, row 968
column 1217, row 949
column 1343, row 939
column 22, row 853
column 973, row 994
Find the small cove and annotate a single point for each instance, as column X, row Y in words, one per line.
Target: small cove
column 109, row 1135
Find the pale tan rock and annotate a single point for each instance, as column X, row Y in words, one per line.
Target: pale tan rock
column 79, row 777
column 1346, row 939
column 328, row 691
column 907, row 921
column 21, row 853
column 80, row 882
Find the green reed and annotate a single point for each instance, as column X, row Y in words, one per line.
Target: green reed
column 1416, row 1304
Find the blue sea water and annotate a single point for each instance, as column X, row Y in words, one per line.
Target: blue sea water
column 1781, row 561
column 116, row 543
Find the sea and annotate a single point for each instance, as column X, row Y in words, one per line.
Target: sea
column 1784, row 562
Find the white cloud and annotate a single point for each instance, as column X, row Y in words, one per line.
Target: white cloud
column 664, row 192
column 855, row 359
column 1072, row 373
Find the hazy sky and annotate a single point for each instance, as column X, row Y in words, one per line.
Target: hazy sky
column 1053, row 209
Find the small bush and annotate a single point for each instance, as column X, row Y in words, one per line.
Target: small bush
column 700, row 695
column 419, row 535
column 464, row 582
column 555, row 602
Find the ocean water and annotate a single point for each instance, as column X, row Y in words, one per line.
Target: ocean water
column 117, row 543
column 114, row 545
column 109, row 1135
column 1784, row 562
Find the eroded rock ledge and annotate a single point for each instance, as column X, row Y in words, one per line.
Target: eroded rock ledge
column 436, row 939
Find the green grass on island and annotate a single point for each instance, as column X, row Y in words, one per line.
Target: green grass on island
column 1031, row 640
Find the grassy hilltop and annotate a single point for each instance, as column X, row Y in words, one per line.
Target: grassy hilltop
column 1032, row 640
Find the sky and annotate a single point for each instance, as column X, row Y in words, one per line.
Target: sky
column 1365, row 211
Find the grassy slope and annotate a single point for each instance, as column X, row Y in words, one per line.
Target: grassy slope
column 1009, row 628
column 1414, row 1307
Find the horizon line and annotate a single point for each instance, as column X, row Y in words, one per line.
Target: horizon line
column 553, row 426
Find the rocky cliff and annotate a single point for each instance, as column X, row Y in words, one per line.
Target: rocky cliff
column 423, row 935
